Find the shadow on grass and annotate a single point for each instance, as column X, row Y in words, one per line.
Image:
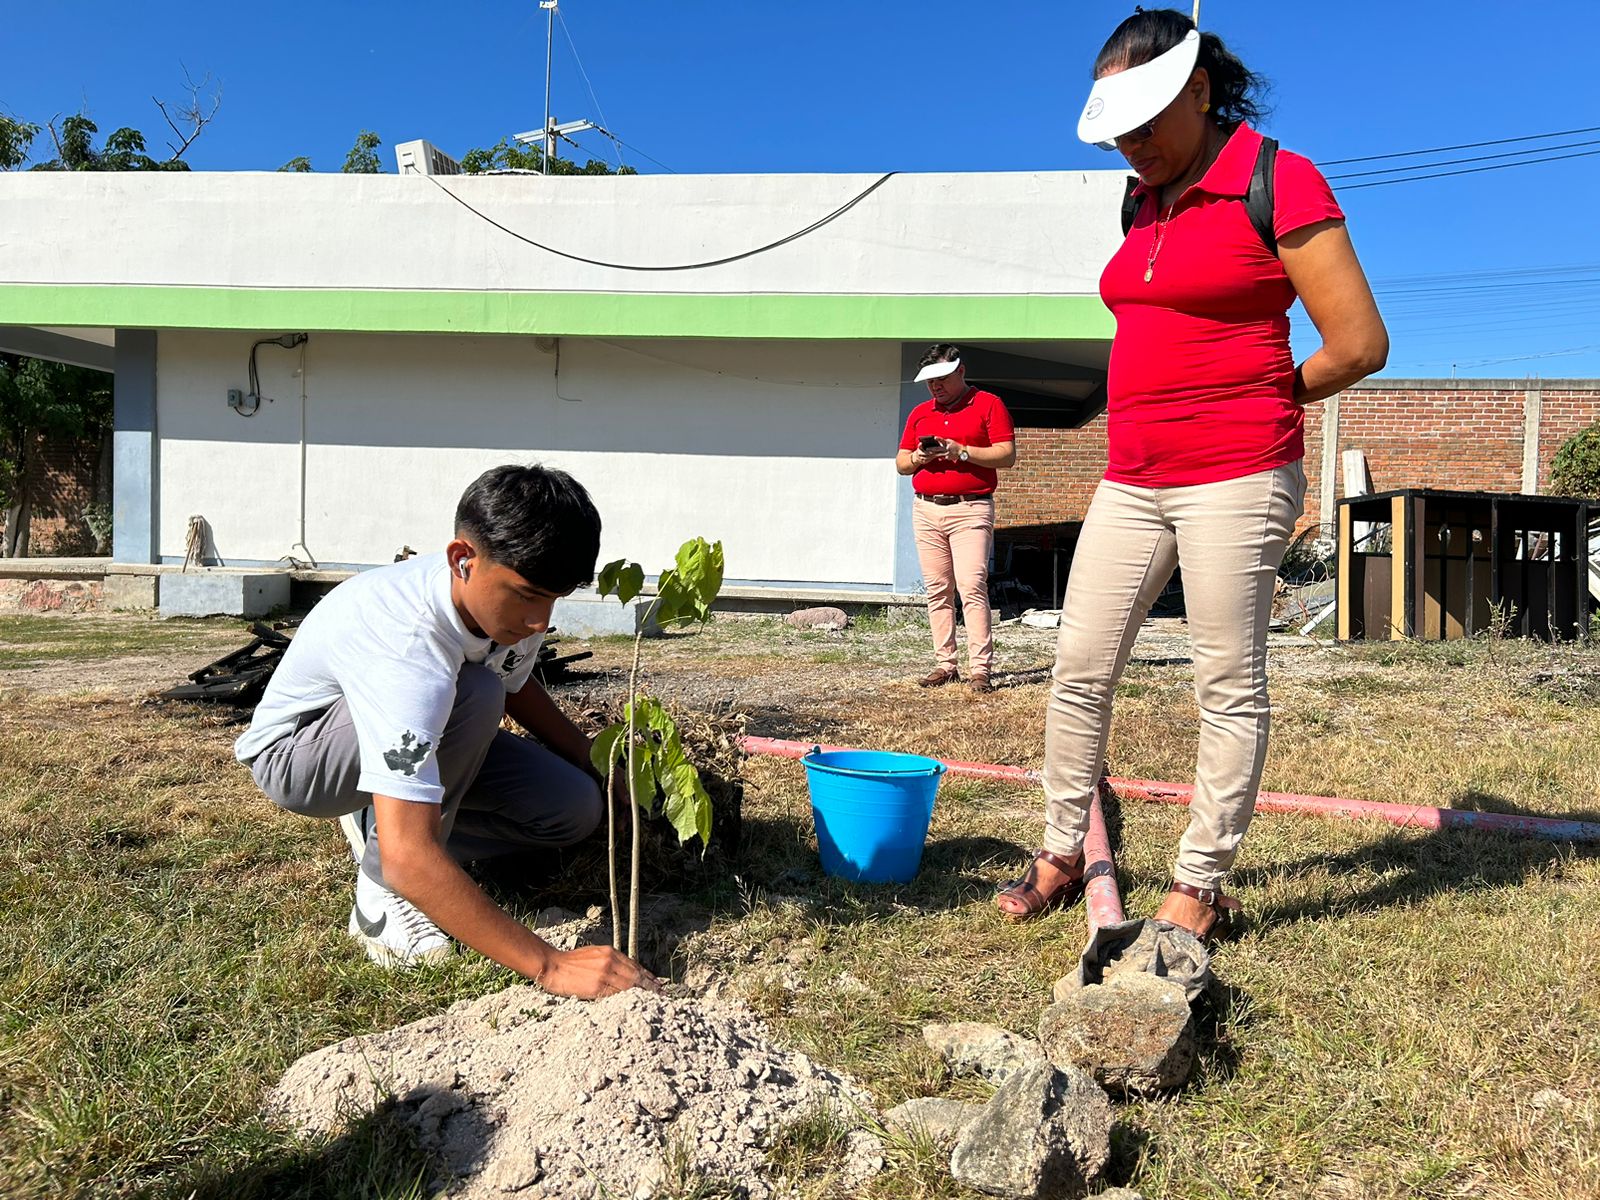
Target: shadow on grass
column 780, row 856
column 1407, row 868
column 381, row 1155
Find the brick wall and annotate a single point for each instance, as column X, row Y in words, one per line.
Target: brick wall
column 63, row 477
column 1056, row 473
column 1460, row 434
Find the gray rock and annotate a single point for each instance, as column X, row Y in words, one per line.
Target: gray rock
column 1046, row 1135
column 1119, row 1194
column 1042, row 618
column 971, row 1048
column 941, row 1120
column 817, row 618
column 1133, row 1033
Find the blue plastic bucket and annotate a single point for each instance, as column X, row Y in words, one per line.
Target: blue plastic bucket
column 872, row 809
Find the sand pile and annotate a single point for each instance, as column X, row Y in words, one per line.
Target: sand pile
column 520, row 1092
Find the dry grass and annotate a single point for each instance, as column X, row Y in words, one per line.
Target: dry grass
column 1409, row 1014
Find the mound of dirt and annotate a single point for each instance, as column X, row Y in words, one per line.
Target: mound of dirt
column 520, row 1092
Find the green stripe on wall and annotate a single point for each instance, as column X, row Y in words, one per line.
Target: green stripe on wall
column 575, row 314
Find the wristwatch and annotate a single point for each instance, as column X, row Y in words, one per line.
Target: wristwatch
column 963, row 456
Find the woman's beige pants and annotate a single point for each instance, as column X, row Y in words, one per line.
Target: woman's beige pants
column 1229, row 537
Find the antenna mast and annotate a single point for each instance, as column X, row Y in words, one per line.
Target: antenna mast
column 549, row 42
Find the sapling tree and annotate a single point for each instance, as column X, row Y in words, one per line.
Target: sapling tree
column 646, row 739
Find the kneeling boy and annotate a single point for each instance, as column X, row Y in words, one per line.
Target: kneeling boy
column 385, row 713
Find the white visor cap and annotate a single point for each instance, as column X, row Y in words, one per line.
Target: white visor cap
column 1127, row 99
column 938, row 370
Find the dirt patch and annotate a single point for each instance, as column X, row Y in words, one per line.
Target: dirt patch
column 520, row 1092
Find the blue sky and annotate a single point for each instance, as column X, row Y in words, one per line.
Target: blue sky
column 754, row 86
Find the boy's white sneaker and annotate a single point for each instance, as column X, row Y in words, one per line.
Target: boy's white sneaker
column 393, row 931
column 354, row 827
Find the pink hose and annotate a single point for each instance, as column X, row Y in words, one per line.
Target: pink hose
column 1417, row 816
column 1100, row 897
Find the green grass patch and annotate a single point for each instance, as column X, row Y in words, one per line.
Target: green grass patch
column 1407, row 1014
column 28, row 641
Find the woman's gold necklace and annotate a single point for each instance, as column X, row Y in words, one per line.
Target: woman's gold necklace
column 1163, row 222
column 1155, row 244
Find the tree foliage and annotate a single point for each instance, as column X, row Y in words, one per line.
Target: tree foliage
column 1575, row 469
column 513, row 156
column 48, row 399
column 363, row 157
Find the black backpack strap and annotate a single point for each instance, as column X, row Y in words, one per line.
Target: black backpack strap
column 1259, row 201
column 1130, row 204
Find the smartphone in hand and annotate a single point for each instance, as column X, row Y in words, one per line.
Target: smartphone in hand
column 931, row 445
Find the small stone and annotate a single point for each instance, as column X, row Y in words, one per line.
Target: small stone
column 833, row 619
column 1041, row 618
column 971, row 1048
column 1133, row 1033
column 1119, row 1194
column 942, row 1120
column 1045, row 1135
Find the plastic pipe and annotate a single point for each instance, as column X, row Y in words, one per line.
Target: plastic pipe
column 1100, row 896
column 1416, row 816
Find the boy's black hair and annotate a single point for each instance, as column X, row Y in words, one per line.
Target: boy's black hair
column 535, row 520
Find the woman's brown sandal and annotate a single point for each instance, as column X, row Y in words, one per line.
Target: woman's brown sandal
column 1035, row 902
column 1225, row 911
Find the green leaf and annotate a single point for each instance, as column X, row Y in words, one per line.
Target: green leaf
column 608, row 747
column 621, row 578
column 671, row 598
column 700, row 567
column 687, row 806
column 631, row 582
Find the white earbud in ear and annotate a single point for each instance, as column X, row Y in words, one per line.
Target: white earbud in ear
column 461, row 568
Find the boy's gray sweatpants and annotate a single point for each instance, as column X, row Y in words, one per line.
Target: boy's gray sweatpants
column 502, row 793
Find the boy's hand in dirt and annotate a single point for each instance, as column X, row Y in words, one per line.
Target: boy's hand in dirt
column 592, row 972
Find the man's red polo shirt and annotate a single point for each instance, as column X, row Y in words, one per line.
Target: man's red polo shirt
column 978, row 419
column 1201, row 381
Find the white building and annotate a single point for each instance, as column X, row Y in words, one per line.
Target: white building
column 758, row 401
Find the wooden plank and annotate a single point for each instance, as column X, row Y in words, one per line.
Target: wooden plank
column 1399, row 550
column 1345, row 594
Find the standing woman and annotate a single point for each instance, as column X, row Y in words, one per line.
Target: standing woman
column 1204, row 428
column 953, row 447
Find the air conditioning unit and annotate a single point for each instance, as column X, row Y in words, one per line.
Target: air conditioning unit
column 424, row 158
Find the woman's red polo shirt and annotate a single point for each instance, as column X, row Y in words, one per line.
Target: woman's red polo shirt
column 1201, row 381
column 979, row 418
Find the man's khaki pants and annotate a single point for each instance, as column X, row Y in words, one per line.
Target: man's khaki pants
column 954, row 542
column 1229, row 537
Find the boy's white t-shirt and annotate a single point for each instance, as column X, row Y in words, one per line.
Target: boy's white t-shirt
column 389, row 642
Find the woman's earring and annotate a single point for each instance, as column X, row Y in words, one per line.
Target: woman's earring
column 1206, row 107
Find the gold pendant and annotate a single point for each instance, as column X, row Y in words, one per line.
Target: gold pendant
column 1148, row 271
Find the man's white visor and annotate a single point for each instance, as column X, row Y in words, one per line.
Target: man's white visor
column 938, row 370
column 1127, row 99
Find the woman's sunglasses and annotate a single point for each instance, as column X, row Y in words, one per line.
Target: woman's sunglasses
column 1141, row 134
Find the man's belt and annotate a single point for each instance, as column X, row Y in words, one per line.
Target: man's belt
column 934, row 498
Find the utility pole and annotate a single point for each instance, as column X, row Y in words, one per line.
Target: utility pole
column 549, row 42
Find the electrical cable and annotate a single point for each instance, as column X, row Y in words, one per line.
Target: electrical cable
column 1450, row 162
column 1532, row 137
column 567, row 33
column 1354, row 187
column 641, row 153
column 693, row 266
